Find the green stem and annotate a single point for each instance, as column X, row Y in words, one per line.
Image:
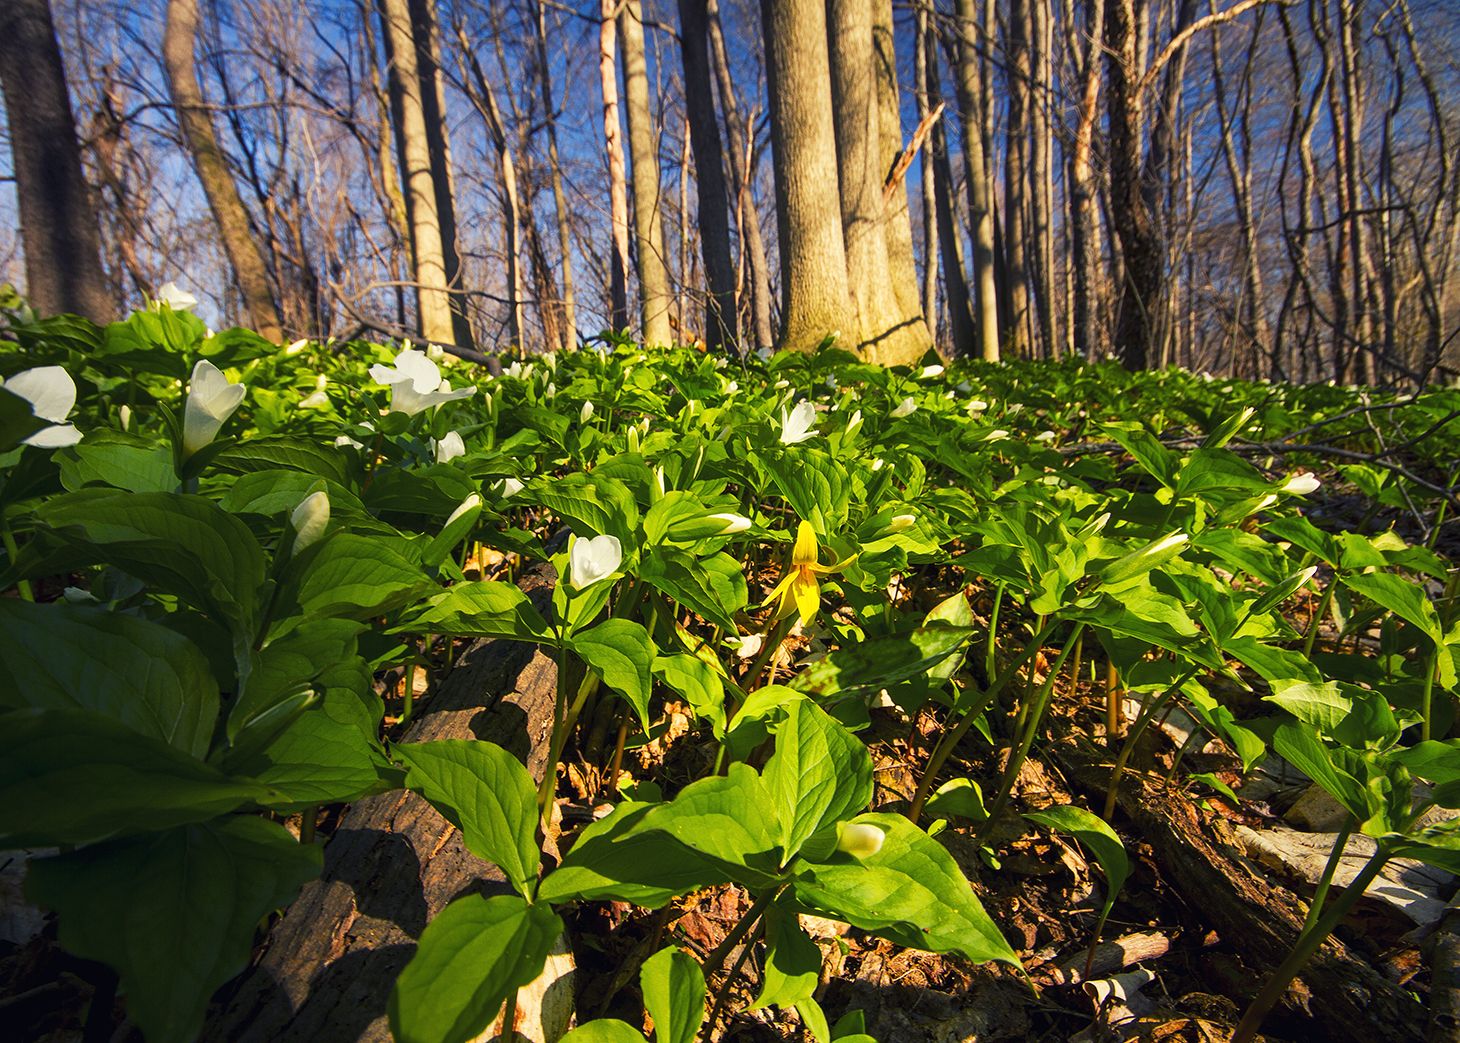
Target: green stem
column 306, row 824
column 989, row 645
column 1323, row 603
column 1309, row 939
column 1143, row 721
column 1320, row 893
column 748, row 920
column 951, row 739
column 1432, row 665
column 11, row 551
column 1031, row 725
column 561, row 731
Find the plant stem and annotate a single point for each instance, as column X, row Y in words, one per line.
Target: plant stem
column 1432, row 665
column 1323, row 603
column 980, row 703
column 306, row 824
column 1309, row 939
column 1031, row 726
column 1320, row 893
column 747, row 920
column 990, row 646
column 1147, row 715
column 1112, row 704
column 11, row 551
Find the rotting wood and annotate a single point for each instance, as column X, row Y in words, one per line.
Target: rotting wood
column 390, row 867
column 1260, row 920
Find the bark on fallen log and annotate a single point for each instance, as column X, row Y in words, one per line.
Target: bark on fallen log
column 1350, row 1000
column 392, row 865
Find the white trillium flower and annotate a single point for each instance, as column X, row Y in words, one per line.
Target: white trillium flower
column 930, row 371
column 314, row 400
column 907, row 407
column 52, row 395
column 978, row 405
column 297, row 346
column 797, row 422
column 747, row 646
column 344, row 440
column 731, row 523
column 860, row 839
column 732, row 387
column 998, row 434
column 901, row 523
column 211, row 401
column 964, row 387
column 1045, row 436
column 435, row 352
column 1300, row 484
column 592, row 560
column 511, row 487
column 449, row 448
column 415, row 383
column 175, row 297
column 310, row 519
column 471, row 503
column 586, row 413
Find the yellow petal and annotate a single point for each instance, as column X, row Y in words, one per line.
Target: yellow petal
column 808, row 598
column 784, row 596
column 806, row 549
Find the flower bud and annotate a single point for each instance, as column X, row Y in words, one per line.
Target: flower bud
column 471, row 503
column 586, row 413
column 125, row 415
column 1145, row 559
column 1300, row 484
column 310, row 519
column 212, row 399
column 860, row 839
column 708, row 525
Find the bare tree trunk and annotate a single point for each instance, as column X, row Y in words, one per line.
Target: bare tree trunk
column 921, row 69
column 433, row 300
column 738, row 137
column 1041, row 196
column 722, row 332
column 986, row 314
column 955, row 284
column 1017, row 76
column 654, row 294
column 58, row 225
column 816, row 300
column 484, row 100
column 618, row 264
column 896, row 215
column 560, row 201
column 212, row 167
column 886, row 334
column 1084, row 244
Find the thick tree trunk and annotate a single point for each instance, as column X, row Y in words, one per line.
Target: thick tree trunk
column 654, row 295
column 1016, row 174
column 618, row 193
column 740, row 151
column 922, row 65
column 555, row 170
column 887, row 335
column 986, row 308
column 1041, row 195
column 58, row 225
column 1084, row 244
column 212, row 167
column 433, row 300
column 721, row 322
column 816, row 300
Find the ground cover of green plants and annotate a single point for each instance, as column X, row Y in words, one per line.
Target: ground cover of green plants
column 851, row 583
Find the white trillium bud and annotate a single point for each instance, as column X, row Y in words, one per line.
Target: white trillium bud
column 998, row 434
column 310, row 519
column 212, row 399
column 449, row 448
column 124, row 414
column 52, row 395
column 511, row 487
column 1300, row 484
column 1045, row 436
column 797, row 423
column 907, row 407
column 930, row 371
column 860, row 839
column 471, row 503
column 586, row 413
column 175, row 297
column 297, row 346
column 978, row 405
column 592, row 560
column 731, row 523
column 901, row 523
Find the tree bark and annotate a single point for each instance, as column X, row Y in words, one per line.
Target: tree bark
column 1017, row 78
column 654, row 295
column 555, row 171
column 955, row 283
column 1084, row 243
column 816, row 300
column 58, row 224
column 1041, row 196
column 986, row 307
column 212, row 167
column 433, row 300
column 738, row 137
column 886, row 334
column 922, row 67
column 721, row 322
column 618, row 193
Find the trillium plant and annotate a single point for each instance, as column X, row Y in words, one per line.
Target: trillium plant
column 216, row 642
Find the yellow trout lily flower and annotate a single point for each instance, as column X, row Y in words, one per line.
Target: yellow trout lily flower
column 799, row 590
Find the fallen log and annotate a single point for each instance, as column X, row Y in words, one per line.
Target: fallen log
column 389, row 868
column 1260, row 920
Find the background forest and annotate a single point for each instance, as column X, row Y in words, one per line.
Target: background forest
column 1263, row 189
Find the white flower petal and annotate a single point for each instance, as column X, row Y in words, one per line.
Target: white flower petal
column 449, row 448
column 592, row 560
column 49, row 389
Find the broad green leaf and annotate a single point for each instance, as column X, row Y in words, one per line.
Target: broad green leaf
column 723, row 818
column 1092, row 831
column 289, row 664
column 1433, row 761
column 185, row 545
column 869, row 665
column 141, row 674
column 72, row 777
column 173, row 913
column 674, row 995
column 960, row 797
column 792, row 962
column 622, row 653
column 819, row 775
column 278, row 491
column 483, row 608
column 700, row 585
column 120, row 462
column 698, row 683
column 307, row 455
column 485, row 792
column 1157, row 461
column 911, row 892
column 1321, row 705
column 471, row 958
column 1302, row 748
column 604, row 1030
column 351, row 576
column 599, row 505
column 1406, row 600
